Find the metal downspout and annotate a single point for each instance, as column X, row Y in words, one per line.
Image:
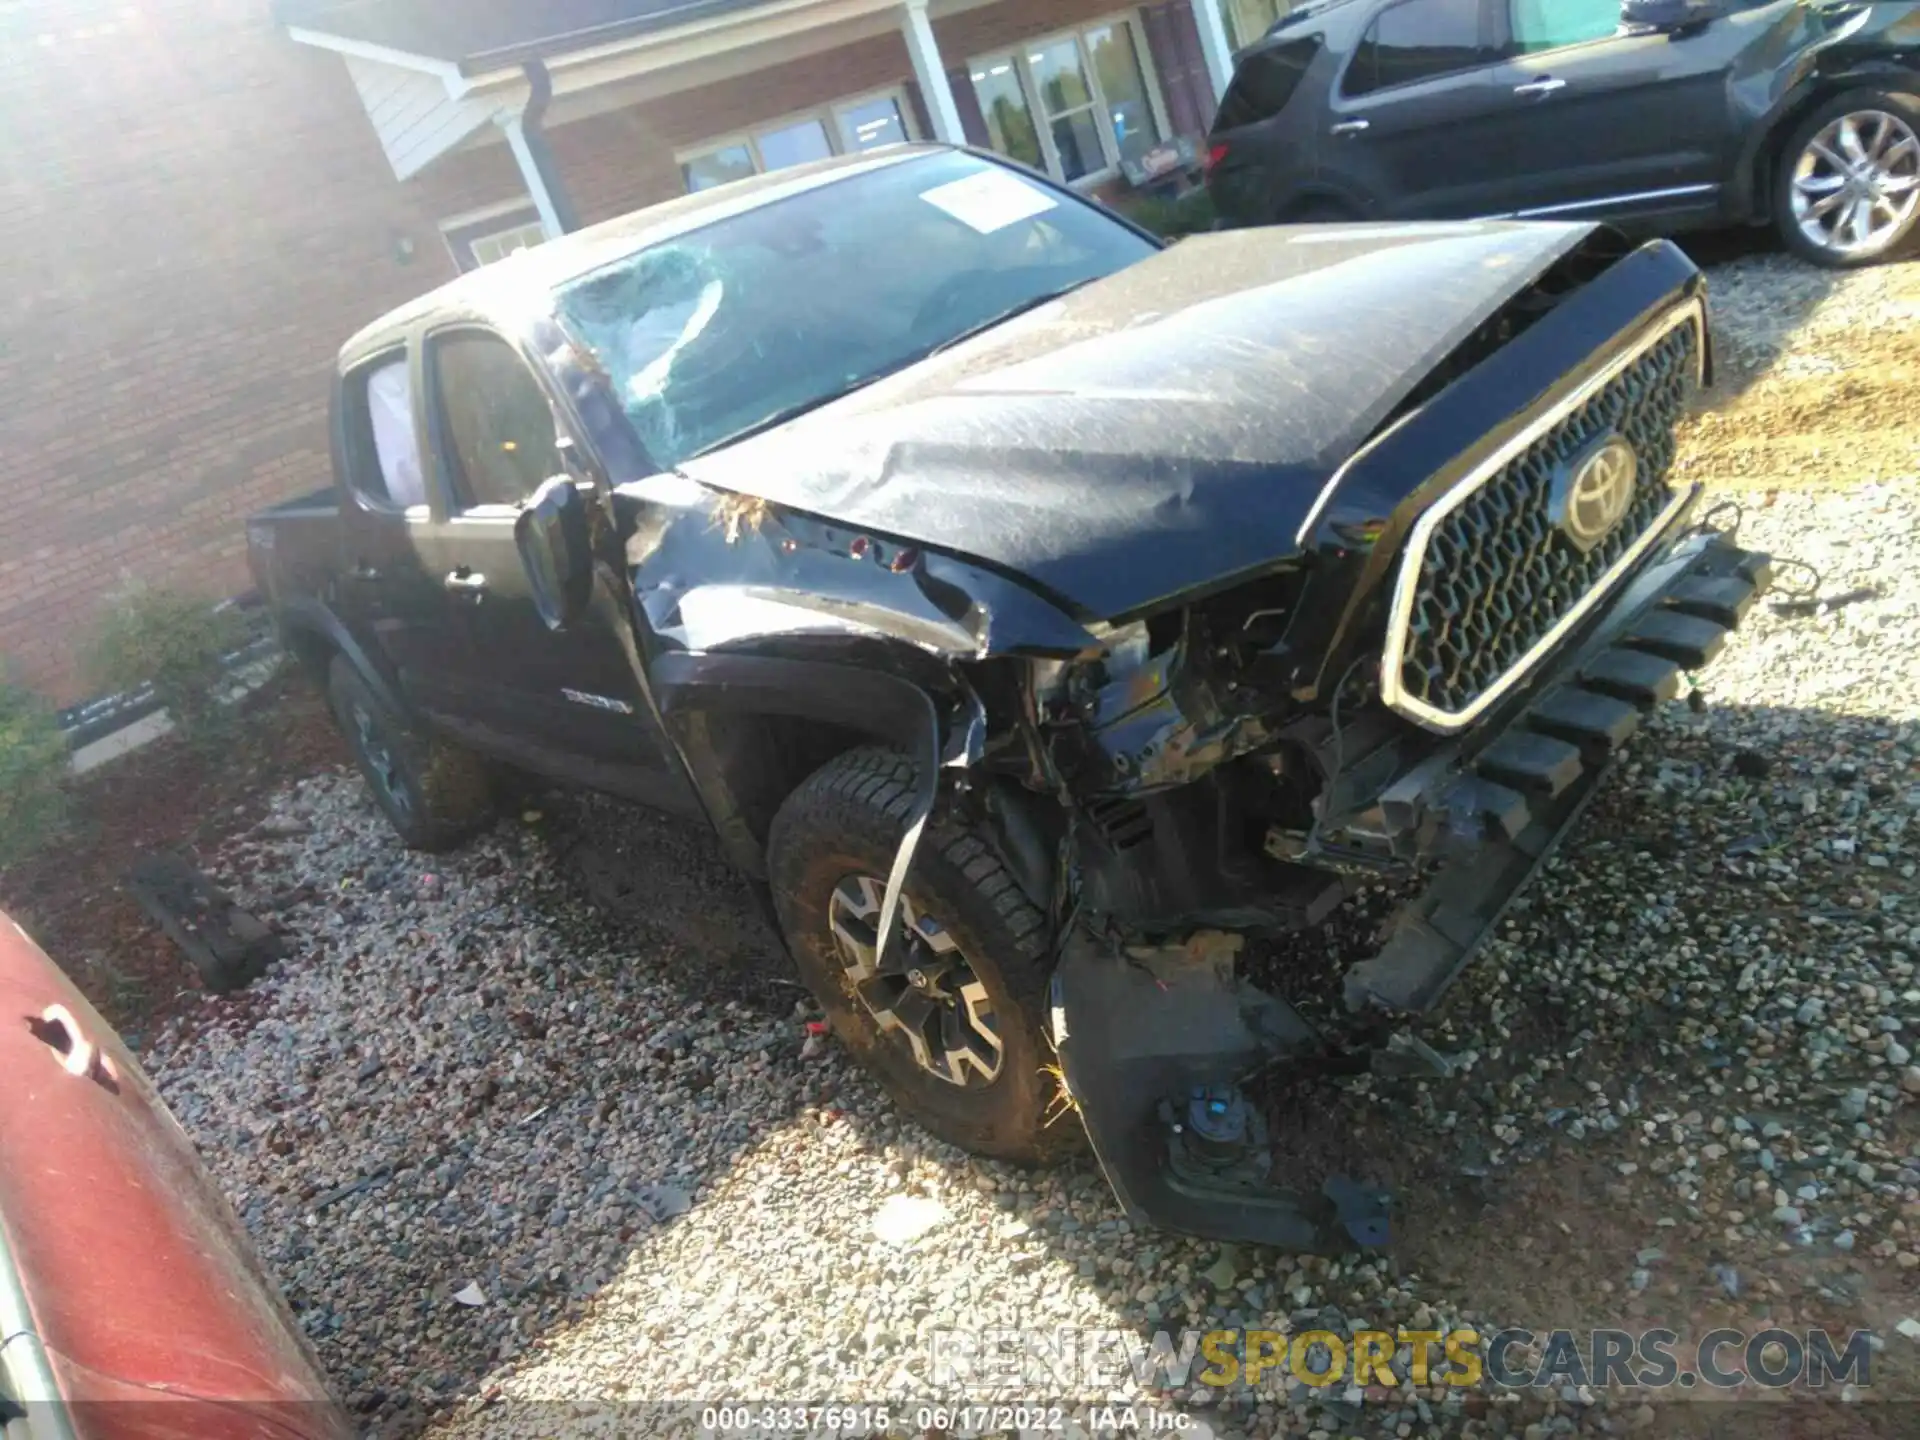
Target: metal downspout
column 537, row 156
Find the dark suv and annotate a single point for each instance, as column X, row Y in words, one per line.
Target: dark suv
column 1659, row 115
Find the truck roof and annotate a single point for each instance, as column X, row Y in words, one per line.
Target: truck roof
column 547, row 266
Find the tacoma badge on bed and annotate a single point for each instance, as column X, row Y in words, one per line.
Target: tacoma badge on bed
column 1035, row 611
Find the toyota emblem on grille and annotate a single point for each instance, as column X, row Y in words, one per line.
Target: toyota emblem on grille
column 1597, row 493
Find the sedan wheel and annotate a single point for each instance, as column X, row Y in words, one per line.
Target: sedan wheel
column 1852, row 190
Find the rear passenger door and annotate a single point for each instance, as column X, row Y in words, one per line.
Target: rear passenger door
column 565, row 703
column 1412, row 123
column 384, row 589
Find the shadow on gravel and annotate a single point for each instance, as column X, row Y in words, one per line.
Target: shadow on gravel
column 640, row 874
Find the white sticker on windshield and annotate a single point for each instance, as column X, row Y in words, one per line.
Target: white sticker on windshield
column 990, row 200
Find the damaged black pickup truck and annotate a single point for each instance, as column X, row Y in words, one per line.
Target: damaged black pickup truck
column 1034, row 611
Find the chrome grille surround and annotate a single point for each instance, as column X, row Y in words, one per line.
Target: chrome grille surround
column 1488, row 583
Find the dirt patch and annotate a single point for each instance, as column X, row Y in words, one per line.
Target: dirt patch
column 166, row 796
column 1815, row 376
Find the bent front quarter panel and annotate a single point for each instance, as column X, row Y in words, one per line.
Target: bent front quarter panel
column 153, row 1313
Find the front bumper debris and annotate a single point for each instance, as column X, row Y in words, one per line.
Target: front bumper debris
column 1153, row 1044
column 1508, row 808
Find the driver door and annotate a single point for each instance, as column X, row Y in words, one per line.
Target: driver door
column 565, row 703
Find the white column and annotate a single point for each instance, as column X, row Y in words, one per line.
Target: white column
column 1214, row 44
column 515, row 129
column 931, row 71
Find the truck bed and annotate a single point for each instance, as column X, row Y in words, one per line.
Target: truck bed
column 294, row 547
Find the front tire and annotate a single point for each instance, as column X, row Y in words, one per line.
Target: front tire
column 1847, row 192
column 953, row 1025
column 436, row 795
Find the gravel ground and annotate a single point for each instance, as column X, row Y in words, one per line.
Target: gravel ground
column 502, row 1152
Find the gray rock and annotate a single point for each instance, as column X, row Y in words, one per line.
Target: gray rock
column 1225, row 1269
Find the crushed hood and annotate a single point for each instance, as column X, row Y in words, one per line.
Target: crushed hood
column 1160, row 430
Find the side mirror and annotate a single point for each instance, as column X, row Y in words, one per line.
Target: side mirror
column 555, row 538
column 1672, row 16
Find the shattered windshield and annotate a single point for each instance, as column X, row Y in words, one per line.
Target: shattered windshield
column 763, row 315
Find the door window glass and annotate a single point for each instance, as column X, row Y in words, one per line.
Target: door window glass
column 497, row 427
column 793, row 144
column 1550, row 24
column 396, row 443
column 1417, row 41
column 1124, row 88
column 1265, row 81
column 1010, row 128
column 871, row 124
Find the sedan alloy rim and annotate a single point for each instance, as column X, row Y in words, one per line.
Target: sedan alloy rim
column 924, row 995
column 1857, row 182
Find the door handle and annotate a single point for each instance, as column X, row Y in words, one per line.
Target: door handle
column 464, row 582
column 1540, row 87
column 1349, row 127
column 364, row 571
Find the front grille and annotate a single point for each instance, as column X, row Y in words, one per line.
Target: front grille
column 1496, row 577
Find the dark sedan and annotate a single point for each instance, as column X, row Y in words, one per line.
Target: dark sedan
column 1657, row 115
column 131, row 1305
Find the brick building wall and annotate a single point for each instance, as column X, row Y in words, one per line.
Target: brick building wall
column 191, row 210
column 194, row 211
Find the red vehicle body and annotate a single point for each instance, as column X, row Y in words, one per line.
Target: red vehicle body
column 132, row 1306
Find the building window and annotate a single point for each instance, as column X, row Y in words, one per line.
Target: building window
column 717, row 167
column 869, row 124
column 484, row 236
column 1116, row 63
column 1003, row 102
column 1078, row 106
column 845, row 128
column 1068, row 103
column 1248, row 20
column 502, row 243
column 794, row 144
